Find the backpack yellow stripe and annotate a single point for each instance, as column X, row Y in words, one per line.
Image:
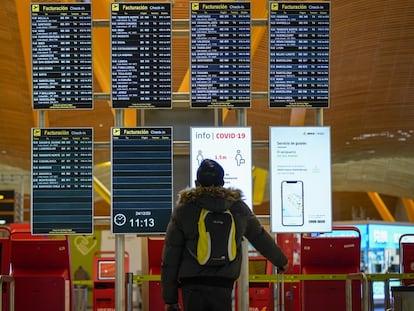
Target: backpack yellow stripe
column 203, row 244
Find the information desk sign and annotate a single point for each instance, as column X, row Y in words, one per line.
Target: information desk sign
column 141, row 55
column 299, row 54
column 62, row 181
column 62, row 56
column 142, row 180
column 220, row 54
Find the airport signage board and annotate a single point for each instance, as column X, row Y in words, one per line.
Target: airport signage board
column 61, row 45
column 141, row 55
column 220, row 54
column 231, row 148
column 62, row 181
column 142, row 179
column 300, row 166
column 299, row 49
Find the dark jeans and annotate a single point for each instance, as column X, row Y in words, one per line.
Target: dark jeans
column 198, row 297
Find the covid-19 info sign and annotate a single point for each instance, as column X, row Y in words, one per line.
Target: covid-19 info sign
column 231, row 148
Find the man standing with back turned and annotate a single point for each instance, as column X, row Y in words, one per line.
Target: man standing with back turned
column 209, row 287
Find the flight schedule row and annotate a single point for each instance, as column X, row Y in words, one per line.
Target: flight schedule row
column 220, row 48
column 299, row 49
column 141, row 55
column 61, row 39
column 62, row 180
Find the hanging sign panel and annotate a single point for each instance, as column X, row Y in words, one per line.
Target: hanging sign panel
column 142, row 179
column 231, row 148
column 300, row 162
column 220, row 54
column 62, row 181
column 299, row 36
column 141, row 55
column 61, row 39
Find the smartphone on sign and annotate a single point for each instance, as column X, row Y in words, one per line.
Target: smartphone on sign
column 292, row 203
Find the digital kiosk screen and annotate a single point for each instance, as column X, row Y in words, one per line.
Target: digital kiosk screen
column 220, row 54
column 142, row 179
column 141, row 55
column 299, row 54
column 62, row 181
column 62, row 56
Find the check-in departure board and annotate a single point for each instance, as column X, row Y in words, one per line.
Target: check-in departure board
column 142, row 179
column 220, row 54
column 141, row 55
column 62, row 181
column 61, row 56
column 299, row 54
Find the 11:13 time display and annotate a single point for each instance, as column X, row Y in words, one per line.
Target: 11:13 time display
column 147, row 222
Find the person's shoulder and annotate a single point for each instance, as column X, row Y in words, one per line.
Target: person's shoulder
column 233, row 194
column 238, row 205
column 186, row 196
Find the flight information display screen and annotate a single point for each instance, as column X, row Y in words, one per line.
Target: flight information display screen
column 220, row 54
column 141, row 55
column 299, row 36
column 142, row 179
column 62, row 181
column 62, row 75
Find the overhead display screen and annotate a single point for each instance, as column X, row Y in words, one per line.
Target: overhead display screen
column 141, row 55
column 142, row 179
column 220, row 54
column 62, row 181
column 61, row 56
column 299, row 35
column 231, row 148
column 300, row 162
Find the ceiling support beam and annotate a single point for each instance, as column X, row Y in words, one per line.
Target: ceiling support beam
column 101, row 190
column 409, row 208
column 381, row 207
column 23, row 17
column 101, row 46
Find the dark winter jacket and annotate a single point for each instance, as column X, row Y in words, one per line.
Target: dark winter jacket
column 179, row 265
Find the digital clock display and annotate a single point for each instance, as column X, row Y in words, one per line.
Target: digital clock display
column 142, row 197
column 142, row 222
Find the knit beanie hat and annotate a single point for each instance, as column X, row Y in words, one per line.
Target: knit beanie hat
column 210, row 173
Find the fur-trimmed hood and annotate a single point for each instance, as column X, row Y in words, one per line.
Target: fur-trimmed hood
column 211, row 198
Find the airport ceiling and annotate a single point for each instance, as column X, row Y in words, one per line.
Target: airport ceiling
column 371, row 111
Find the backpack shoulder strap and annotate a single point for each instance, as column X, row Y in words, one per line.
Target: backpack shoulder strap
column 232, row 247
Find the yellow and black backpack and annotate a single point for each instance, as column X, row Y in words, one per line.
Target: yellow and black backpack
column 216, row 243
